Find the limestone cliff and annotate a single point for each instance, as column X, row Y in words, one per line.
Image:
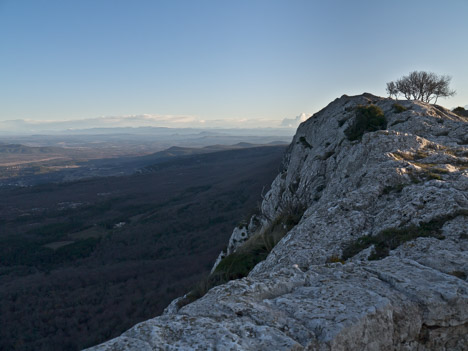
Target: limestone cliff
column 378, row 260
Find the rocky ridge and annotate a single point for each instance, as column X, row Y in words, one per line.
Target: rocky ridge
column 306, row 295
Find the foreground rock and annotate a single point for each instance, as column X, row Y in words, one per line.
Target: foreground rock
column 411, row 174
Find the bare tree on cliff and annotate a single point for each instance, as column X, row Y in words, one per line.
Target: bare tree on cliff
column 420, row 85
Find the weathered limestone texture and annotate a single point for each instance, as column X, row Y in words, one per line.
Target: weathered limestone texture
column 413, row 173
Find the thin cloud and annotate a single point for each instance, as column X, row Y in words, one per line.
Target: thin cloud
column 294, row 122
column 144, row 120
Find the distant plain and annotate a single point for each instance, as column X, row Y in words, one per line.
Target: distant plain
column 88, row 251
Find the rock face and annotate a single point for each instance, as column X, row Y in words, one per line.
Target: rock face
column 412, row 174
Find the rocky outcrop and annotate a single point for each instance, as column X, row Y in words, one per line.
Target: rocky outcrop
column 240, row 235
column 409, row 177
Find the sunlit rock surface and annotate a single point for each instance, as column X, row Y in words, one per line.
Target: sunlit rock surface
column 413, row 172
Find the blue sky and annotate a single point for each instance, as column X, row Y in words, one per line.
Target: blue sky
column 224, row 60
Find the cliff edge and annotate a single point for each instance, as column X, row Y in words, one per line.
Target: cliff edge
column 378, row 258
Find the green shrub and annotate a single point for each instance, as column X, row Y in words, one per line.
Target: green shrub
column 368, row 119
column 256, row 249
column 397, row 108
column 239, row 264
column 390, row 239
column 460, row 111
column 356, row 246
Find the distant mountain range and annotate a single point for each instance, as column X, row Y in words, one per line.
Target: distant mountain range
column 147, row 123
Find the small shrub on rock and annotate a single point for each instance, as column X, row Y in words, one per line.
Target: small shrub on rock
column 397, row 108
column 390, row 239
column 460, row 111
column 256, row 249
column 368, row 119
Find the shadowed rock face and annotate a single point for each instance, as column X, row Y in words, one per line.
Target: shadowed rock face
column 413, row 173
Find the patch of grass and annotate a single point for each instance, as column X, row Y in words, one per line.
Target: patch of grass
column 254, row 212
column 397, row 108
column 368, row 119
column 429, row 171
column 396, row 156
column 334, row 259
column 304, row 142
column 235, row 266
column 356, row 246
column 439, row 170
column 238, row 264
column 456, row 152
column 420, row 155
column 411, row 156
column 390, row 239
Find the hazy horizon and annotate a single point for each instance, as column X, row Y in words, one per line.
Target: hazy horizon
column 150, row 123
column 25, row 126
